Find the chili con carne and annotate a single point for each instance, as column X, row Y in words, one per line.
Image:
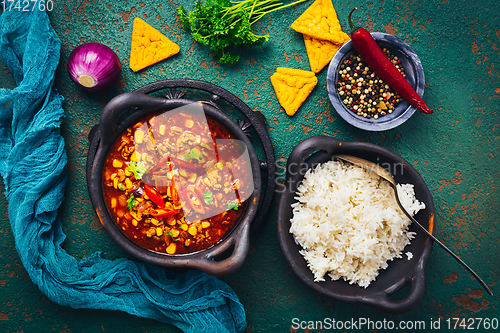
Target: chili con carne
column 159, row 216
column 373, row 55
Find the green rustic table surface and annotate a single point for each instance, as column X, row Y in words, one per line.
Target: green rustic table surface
column 456, row 150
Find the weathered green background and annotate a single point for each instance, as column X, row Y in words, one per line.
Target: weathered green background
column 456, row 150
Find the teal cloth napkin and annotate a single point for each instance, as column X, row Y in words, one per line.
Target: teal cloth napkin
column 33, row 162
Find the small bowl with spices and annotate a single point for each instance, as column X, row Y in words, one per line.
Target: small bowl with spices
column 364, row 100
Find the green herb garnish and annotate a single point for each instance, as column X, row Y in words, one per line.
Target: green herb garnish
column 208, row 198
column 121, row 187
column 131, row 202
column 193, row 154
column 137, row 168
column 224, row 24
column 232, row 205
column 172, row 235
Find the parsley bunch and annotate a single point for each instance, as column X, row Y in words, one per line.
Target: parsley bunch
column 222, row 24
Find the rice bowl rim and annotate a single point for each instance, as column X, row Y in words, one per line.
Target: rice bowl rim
column 319, row 149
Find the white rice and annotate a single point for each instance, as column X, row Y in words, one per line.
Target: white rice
column 348, row 222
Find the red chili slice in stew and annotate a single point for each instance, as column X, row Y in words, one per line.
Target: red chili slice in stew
column 182, row 163
column 173, row 193
column 193, row 200
column 163, row 213
column 162, row 168
column 154, row 196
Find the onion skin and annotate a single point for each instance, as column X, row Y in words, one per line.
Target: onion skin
column 94, row 67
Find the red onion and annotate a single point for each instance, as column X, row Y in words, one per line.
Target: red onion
column 94, row 66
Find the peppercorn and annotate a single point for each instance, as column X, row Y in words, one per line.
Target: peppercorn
column 363, row 92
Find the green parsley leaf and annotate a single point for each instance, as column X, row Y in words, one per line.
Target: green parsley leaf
column 208, row 198
column 194, row 154
column 131, row 202
column 184, row 18
column 172, row 235
column 232, row 205
column 137, row 168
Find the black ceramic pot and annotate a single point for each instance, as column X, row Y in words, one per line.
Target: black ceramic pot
column 319, row 149
column 124, row 111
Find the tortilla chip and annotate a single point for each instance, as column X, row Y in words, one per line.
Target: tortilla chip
column 320, row 21
column 319, row 52
column 149, row 46
column 292, row 86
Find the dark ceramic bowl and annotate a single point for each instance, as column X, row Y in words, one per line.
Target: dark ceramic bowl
column 414, row 74
column 319, row 149
column 122, row 112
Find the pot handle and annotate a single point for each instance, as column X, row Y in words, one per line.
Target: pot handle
column 121, row 103
column 209, row 264
column 310, row 145
column 416, row 294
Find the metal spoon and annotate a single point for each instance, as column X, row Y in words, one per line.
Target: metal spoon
column 385, row 175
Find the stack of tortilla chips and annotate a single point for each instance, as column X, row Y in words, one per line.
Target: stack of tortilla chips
column 323, row 37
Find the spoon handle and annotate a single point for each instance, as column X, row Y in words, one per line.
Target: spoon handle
column 442, row 245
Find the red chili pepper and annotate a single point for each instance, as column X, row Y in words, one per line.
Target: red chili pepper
column 154, row 196
column 172, row 190
column 183, row 163
column 162, row 167
column 167, row 164
column 373, row 55
column 163, row 213
column 173, row 193
column 193, row 200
